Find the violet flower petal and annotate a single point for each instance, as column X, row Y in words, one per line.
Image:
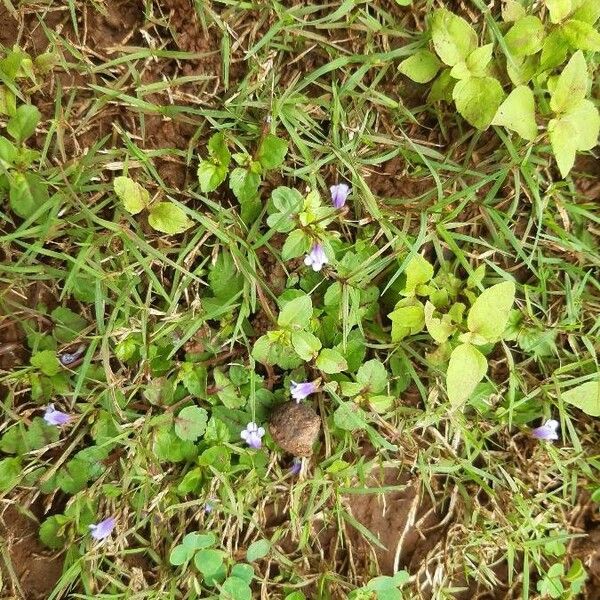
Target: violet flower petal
column 316, row 258
column 302, row 390
column 103, row 529
column 546, row 431
column 339, row 194
column 56, row 417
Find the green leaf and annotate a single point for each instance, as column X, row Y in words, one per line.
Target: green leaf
column 52, row 531
column 442, row 88
column 554, row 50
column 512, row 11
column 581, row 35
column 306, row 344
column 559, row 9
column 27, row 193
column 68, row 325
column 258, row 550
column 272, row 151
column 372, row 376
column 453, row 38
column 331, row 361
column 489, row 314
column 243, row 571
column 208, row 561
column 197, row 541
column 22, row 125
column 563, row 138
column 244, row 184
column 439, row 329
column 349, row 417
column 296, row 313
column 287, row 200
column 169, row 447
column 212, row 172
column 190, row 423
column 525, row 37
column 467, row 367
column 46, row 362
column 407, row 319
column 478, row 99
column 179, row 555
column 571, row 86
column 224, row 278
column 586, row 121
column 586, row 397
column 517, row 113
column 235, row 588
column 477, row 62
column 418, row 272
column 421, row 66
column 227, row 392
column 10, row 473
column 588, row 11
column 296, row 244
column 167, row 217
column 133, row 196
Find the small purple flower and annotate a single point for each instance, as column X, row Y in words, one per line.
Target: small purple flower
column 208, row 508
column 252, row 435
column 316, row 258
column 296, row 467
column 56, row 417
column 302, row 390
column 547, row 431
column 67, row 358
column 103, row 529
column 339, row 194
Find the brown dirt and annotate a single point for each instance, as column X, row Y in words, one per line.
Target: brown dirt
column 35, row 569
column 403, row 521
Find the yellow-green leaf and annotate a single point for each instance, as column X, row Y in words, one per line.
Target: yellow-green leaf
column 559, row 9
column 167, row 217
column 525, row 37
column 581, row 35
column 489, row 314
column 133, row 196
column 421, row 66
column 467, row 367
column 453, row 38
column 585, row 397
column 517, row 113
column 477, row 99
column 563, row 138
column 572, row 84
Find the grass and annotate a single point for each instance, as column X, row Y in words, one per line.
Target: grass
column 472, row 502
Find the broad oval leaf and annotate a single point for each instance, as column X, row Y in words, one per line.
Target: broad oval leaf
column 525, row 37
column 190, row 423
column 453, row 38
column 331, row 361
column 517, row 113
column 559, row 9
column 167, row 217
column 585, row 397
column 133, row 196
column 439, row 329
column 563, row 138
column 478, row 99
column 306, row 344
column 296, row 313
column 585, row 119
column 257, row 550
column 467, row 367
column 581, row 35
column 489, row 314
column 421, row 66
column 572, row 84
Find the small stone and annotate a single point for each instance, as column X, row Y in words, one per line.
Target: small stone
column 295, row 427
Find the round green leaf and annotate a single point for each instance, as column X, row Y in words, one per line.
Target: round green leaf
column 585, row 397
column 421, row 66
column 489, row 314
column 190, row 423
column 258, row 550
column 208, row 561
column 167, row 217
column 453, row 38
column 571, row 86
column 235, row 588
column 581, row 35
column 331, row 361
column 525, row 37
column 585, row 119
column 372, row 375
column 563, row 138
column 477, row 99
column 179, row 555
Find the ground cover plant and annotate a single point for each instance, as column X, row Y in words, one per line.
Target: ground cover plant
column 299, row 300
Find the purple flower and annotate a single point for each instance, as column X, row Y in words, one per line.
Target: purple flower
column 103, row 529
column 252, row 435
column 296, row 467
column 316, row 258
column 339, row 194
column 208, row 508
column 302, row 390
column 547, row 431
column 56, row 417
column 67, row 358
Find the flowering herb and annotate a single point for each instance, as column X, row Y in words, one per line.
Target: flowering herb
column 252, row 435
column 56, row 417
column 67, row 358
column 296, row 466
column 339, row 194
column 316, row 258
column 548, row 431
column 302, row 390
column 102, row 530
